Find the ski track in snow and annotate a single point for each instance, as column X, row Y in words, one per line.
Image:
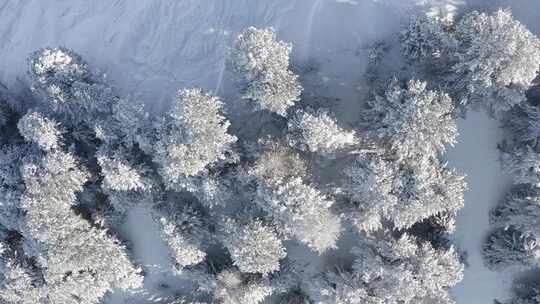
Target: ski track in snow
column 150, row 49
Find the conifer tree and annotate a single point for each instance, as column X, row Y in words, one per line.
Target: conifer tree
column 260, row 65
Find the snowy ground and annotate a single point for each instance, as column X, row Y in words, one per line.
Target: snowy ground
column 476, row 156
column 149, row 49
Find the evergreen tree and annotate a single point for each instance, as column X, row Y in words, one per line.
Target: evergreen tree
column 411, row 120
column 509, row 247
column 296, row 208
column 497, row 60
column 318, row 133
column 388, row 270
column 525, row 291
column 427, row 37
column 260, row 65
column 191, row 137
column 520, row 209
column 79, row 263
column 403, row 193
column 254, row 247
column 522, row 162
column 40, row 130
column 230, row 286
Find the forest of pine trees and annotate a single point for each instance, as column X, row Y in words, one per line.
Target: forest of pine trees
column 230, row 202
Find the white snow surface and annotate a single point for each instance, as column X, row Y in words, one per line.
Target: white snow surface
column 150, row 49
column 476, row 157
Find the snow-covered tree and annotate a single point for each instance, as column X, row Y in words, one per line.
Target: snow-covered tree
column 403, row 271
column 523, row 164
column 260, row 65
column 301, row 211
column 497, row 60
column 51, row 184
column 40, row 130
column 277, row 162
column 369, row 184
column 6, row 110
column 296, row 208
column 184, row 230
column 230, row 286
column 213, row 191
column 84, row 102
column 118, row 173
column 11, row 184
column 525, row 290
column 523, row 125
column 341, row 287
column 184, row 250
column 412, row 120
column 428, row 37
column 318, row 133
column 383, row 190
column 18, row 286
column 191, row 137
column 510, row 247
column 520, row 209
column 56, row 70
column 254, row 247
column 77, row 262
column 485, row 60
column 67, row 86
column 387, row 270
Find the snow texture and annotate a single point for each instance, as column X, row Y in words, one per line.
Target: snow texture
column 477, row 157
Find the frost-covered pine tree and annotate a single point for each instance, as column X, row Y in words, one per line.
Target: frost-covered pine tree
column 427, row 188
column 67, row 87
column 184, row 230
column 522, row 162
column 230, row 286
column 18, row 286
column 254, row 247
column 518, row 230
column 80, row 262
column 184, row 250
column 525, row 290
column 296, row 208
column 427, row 37
column 301, row 211
column 96, row 120
column 260, row 65
column 77, row 262
column 11, row 184
column 519, row 151
column 510, row 247
column 405, row 271
column 520, row 209
column 85, row 103
column 369, row 185
column 523, row 124
column 382, row 190
column 40, row 130
column 496, row 62
column 119, row 174
column 82, row 99
column 191, row 137
column 388, row 270
column 412, row 120
column 318, row 132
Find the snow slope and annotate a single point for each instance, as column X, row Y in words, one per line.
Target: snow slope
column 150, row 49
